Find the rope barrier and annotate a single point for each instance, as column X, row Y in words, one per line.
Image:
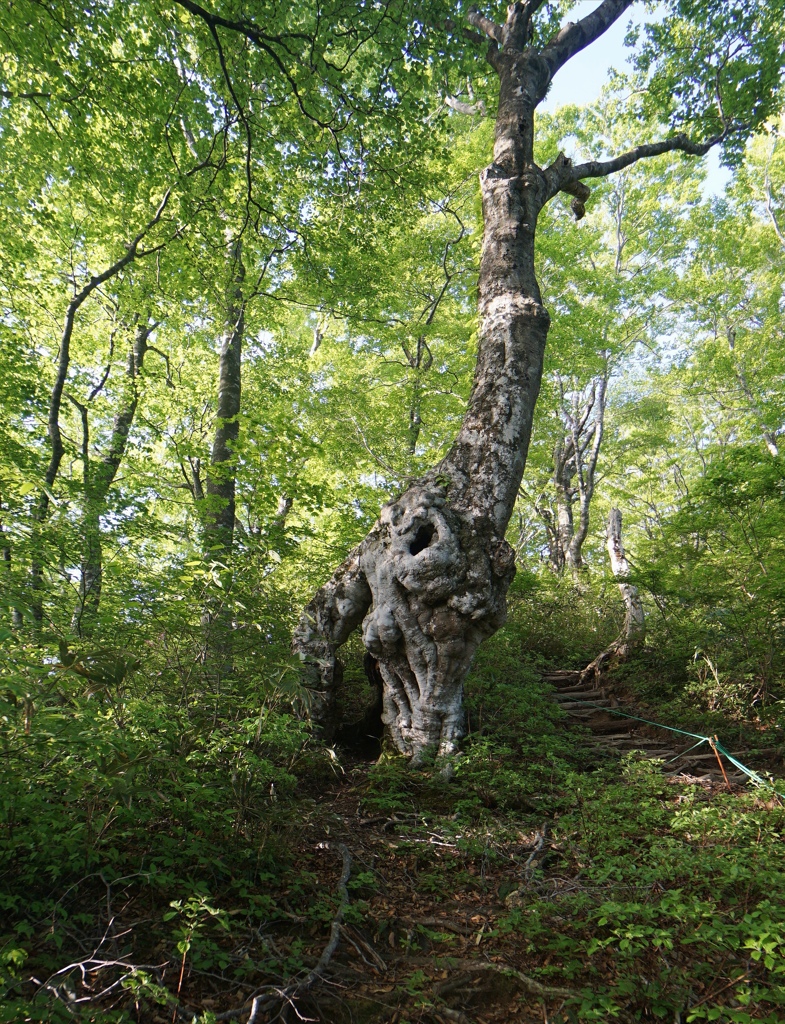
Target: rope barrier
column 714, row 743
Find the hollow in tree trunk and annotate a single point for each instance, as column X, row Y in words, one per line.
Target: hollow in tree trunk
column 429, row 582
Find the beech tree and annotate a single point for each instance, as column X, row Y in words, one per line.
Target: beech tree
column 332, row 107
column 575, row 456
column 429, row 582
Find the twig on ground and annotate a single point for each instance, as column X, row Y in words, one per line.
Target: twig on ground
column 270, row 994
column 530, row 984
column 377, row 960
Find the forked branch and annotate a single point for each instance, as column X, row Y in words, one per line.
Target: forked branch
column 517, row 29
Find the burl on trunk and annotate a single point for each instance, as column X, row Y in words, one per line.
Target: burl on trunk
column 429, row 582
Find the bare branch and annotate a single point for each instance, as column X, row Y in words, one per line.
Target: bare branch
column 576, row 36
column 56, row 454
column 564, row 176
column 465, row 108
column 265, row 42
column 490, row 28
column 679, row 143
column 465, row 33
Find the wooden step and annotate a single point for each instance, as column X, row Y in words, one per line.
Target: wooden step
column 710, row 755
column 637, row 742
column 568, row 695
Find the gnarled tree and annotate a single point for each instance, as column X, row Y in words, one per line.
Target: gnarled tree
column 429, row 582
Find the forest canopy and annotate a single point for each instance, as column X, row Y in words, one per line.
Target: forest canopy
column 350, row 389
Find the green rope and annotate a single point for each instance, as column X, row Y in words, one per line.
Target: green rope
column 685, row 752
column 637, row 718
column 753, row 776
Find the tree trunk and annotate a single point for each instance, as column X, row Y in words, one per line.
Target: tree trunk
column 588, row 449
column 769, row 437
column 634, row 633
column 98, row 478
column 575, row 459
column 563, row 472
column 219, row 510
column 429, row 582
column 7, row 560
column 420, row 361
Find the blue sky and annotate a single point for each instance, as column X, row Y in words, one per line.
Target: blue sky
column 581, row 80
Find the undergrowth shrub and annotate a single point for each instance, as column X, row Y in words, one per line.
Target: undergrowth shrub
column 561, row 622
column 115, row 793
column 676, row 911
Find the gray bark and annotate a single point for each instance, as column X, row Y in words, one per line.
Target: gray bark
column 219, row 514
column 429, row 582
column 219, row 506
column 6, row 558
column 420, row 360
column 634, row 632
column 98, row 477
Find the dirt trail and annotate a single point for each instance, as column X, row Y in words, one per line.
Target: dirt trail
column 593, row 706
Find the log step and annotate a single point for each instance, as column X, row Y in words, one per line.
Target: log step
column 568, row 695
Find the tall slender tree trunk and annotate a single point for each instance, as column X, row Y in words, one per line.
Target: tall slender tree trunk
column 57, row 448
column 218, row 515
column 633, row 634
column 429, row 582
column 6, row 559
column 98, row 476
column 420, row 360
column 769, row 437
column 575, row 457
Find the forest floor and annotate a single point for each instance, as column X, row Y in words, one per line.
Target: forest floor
column 622, row 888
column 431, row 938
column 430, row 925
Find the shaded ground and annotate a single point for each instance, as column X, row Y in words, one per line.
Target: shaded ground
column 514, row 892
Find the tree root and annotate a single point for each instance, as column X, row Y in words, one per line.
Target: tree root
column 530, row 984
column 461, row 982
column 269, row 995
column 594, row 670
